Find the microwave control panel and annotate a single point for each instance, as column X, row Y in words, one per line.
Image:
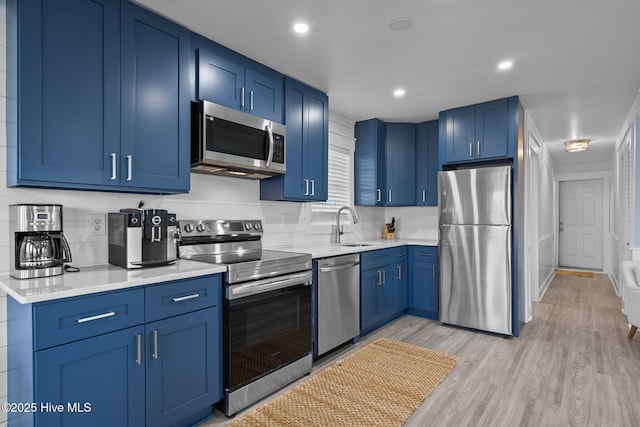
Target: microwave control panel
column 278, row 148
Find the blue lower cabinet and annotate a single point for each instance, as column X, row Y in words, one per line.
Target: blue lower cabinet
column 117, row 370
column 383, row 287
column 182, row 366
column 97, row 381
column 423, row 282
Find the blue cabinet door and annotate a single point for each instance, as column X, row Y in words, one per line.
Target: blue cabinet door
column 317, row 147
column 155, row 146
column 400, row 164
column 265, row 94
column 427, row 163
column 220, row 79
column 68, row 87
column 370, row 280
column 307, row 147
column 182, row 361
column 104, row 371
column 369, row 173
column 492, row 129
column 423, row 289
column 460, row 134
column 400, row 287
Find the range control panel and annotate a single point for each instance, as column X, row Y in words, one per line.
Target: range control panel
column 220, row 227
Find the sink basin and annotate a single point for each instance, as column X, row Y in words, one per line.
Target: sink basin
column 356, row 245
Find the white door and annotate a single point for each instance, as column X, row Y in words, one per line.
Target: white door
column 581, row 224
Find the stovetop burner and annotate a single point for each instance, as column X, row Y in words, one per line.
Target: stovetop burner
column 238, row 246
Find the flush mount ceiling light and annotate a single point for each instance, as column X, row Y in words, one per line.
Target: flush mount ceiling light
column 400, row 24
column 505, row 65
column 577, row 145
column 399, row 92
column 301, row 28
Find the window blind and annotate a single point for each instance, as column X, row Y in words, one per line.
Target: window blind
column 339, row 188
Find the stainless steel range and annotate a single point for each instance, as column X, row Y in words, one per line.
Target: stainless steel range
column 267, row 307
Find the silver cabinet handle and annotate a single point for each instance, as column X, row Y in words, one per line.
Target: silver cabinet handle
column 96, row 317
column 433, row 271
column 139, row 349
column 399, row 272
column 313, row 187
column 389, row 196
column 155, row 343
column 384, row 277
column 242, row 97
column 250, row 100
column 478, row 148
column 424, row 254
column 267, row 127
column 424, row 196
column 379, row 278
column 129, row 167
column 185, row 298
column 339, row 267
column 306, row 183
column 471, row 149
column 113, row 167
column 378, row 195
column 402, row 254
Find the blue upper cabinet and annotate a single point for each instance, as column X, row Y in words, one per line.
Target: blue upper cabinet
column 385, row 173
column 427, row 163
column 478, row 132
column 307, row 147
column 155, row 148
column 400, row 149
column 369, row 167
column 227, row 78
column 97, row 89
column 66, row 77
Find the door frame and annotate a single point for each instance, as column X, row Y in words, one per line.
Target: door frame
column 582, row 176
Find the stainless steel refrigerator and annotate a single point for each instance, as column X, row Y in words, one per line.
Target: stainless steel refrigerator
column 475, row 249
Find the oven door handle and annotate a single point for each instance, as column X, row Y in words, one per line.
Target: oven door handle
column 266, row 285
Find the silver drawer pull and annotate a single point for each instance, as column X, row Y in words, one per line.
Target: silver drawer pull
column 186, row 297
column 96, row 317
column 138, row 349
column 155, row 343
column 424, row 254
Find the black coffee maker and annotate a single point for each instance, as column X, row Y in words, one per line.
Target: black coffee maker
column 38, row 247
column 142, row 238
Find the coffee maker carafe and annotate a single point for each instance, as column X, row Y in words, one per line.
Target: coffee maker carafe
column 38, row 247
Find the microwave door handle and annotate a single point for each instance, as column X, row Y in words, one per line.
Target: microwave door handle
column 267, row 127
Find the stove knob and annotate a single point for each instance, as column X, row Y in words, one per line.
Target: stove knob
column 200, row 227
column 247, row 226
column 257, row 226
column 188, row 228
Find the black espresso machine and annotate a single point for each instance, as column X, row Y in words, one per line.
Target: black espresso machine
column 142, row 238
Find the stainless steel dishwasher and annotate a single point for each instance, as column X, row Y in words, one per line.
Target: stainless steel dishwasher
column 338, row 300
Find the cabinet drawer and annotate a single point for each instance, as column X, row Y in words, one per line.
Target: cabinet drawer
column 424, row 253
column 378, row 258
column 182, row 296
column 82, row 317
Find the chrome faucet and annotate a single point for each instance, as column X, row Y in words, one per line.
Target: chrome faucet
column 338, row 230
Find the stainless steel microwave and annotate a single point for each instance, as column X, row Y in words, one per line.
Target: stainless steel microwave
column 229, row 142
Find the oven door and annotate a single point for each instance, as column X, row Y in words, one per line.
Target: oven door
column 267, row 325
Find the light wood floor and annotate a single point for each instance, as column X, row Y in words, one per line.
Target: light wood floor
column 571, row 366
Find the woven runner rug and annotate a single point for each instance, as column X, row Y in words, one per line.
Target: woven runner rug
column 379, row 385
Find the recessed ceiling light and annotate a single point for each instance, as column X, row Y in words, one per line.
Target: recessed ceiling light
column 505, row 65
column 399, row 92
column 400, row 24
column 300, row 28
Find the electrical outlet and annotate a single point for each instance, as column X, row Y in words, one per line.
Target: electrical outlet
column 97, row 225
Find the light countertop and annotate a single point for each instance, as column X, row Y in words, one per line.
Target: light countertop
column 325, row 250
column 100, row 278
column 103, row 278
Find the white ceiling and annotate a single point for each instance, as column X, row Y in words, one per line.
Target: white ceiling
column 577, row 62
